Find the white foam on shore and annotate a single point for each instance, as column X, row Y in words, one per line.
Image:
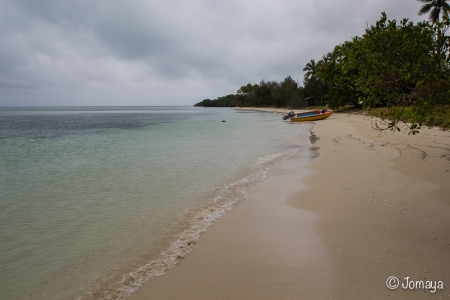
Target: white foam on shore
column 195, row 221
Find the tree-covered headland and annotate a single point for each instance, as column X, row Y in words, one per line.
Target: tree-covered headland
column 287, row 93
column 401, row 66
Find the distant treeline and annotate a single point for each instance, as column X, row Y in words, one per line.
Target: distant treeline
column 226, row 101
column 286, row 93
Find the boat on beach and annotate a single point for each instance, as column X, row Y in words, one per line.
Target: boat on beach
column 312, row 115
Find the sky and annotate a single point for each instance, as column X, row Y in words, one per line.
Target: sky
column 168, row 52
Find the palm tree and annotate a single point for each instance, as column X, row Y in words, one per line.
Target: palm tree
column 435, row 8
column 328, row 58
column 310, row 69
column 313, row 85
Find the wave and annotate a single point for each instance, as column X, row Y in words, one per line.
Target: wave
column 188, row 227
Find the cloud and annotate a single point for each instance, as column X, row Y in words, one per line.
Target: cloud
column 138, row 52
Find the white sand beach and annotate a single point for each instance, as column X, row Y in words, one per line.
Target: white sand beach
column 371, row 206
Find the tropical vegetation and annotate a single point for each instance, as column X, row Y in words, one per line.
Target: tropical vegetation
column 286, row 93
column 394, row 65
column 435, row 8
column 401, row 66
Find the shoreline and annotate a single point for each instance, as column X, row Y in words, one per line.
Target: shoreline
column 372, row 206
column 269, row 109
column 251, row 246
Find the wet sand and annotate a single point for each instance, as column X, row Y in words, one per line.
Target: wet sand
column 370, row 207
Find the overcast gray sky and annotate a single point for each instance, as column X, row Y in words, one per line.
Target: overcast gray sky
column 168, row 52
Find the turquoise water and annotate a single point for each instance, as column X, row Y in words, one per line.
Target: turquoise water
column 97, row 200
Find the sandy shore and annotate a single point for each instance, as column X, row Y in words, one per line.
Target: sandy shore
column 370, row 207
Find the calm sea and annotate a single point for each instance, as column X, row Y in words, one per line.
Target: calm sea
column 94, row 201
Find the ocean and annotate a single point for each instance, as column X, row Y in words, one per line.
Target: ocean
column 95, row 201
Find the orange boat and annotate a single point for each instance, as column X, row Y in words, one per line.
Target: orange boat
column 312, row 115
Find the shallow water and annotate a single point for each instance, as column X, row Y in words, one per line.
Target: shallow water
column 96, row 200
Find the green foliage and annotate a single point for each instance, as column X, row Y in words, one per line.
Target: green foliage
column 339, row 76
column 314, row 86
column 286, row 93
column 394, row 65
column 442, row 121
column 226, row 101
column 435, row 8
column 402, row 66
